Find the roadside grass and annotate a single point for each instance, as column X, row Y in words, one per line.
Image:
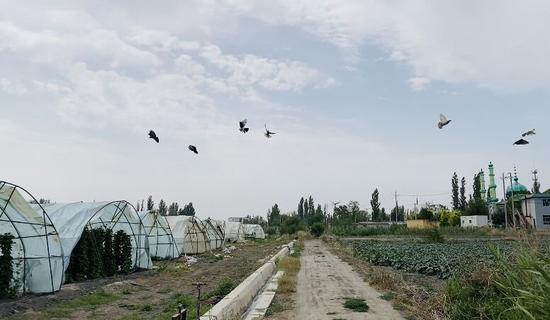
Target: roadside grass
column 388, row 296
column 287, row 283
column 356, row 304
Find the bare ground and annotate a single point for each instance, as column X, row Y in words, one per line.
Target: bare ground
column 324, row 283
column 150, row 294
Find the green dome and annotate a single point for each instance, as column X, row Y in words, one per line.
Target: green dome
column 517, row 188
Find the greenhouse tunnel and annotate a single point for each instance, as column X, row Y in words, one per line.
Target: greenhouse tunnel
column 215, row 231
column 72, row 219
column 36, row 250
column 234, row 231
column 189, row 234
column 162, row 244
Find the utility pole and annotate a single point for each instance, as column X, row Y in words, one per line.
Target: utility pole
column 512, row 195
column 505, row 204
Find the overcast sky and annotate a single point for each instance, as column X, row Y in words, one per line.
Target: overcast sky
column 353, row 89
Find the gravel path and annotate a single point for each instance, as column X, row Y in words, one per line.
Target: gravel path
column 324, row 281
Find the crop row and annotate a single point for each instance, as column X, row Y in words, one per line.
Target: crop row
column 438, row 259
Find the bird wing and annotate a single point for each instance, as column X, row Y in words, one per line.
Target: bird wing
column 243, row 123
column 442, row 118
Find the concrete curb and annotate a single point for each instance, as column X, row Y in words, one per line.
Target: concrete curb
column 233, row 305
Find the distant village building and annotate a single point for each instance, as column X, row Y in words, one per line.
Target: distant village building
column 474, row 221
column 536, row 210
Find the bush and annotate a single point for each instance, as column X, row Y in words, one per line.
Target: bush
column 291, row 225
column 425, row 214
column 98, row 253
column 6, row 265
column 317, row 229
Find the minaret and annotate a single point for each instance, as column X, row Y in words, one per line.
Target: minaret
column 492, row 185
column 482, row 183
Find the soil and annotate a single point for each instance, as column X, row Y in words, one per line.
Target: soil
column 324, row 283
column 147, row 294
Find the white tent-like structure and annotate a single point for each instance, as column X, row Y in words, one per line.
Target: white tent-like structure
column 38, row 264
column 234, row 231
column 189, row 234
column 215, row 230
column 162, row 244
column 71, row 220
column 253, row 231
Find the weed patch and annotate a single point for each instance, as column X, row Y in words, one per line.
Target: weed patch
column 355, row 304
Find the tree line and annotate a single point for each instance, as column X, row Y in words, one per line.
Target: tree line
column 173, row 209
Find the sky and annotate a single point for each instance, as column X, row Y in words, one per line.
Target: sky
column 353, row 88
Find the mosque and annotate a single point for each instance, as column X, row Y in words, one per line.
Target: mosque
column 531, row 210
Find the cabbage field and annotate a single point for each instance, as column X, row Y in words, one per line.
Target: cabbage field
column 437, row 259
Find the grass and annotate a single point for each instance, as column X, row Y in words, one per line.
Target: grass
column 87, row 302
column 356, row 304
column 287, row 283
column 388, row 296
column 147, row 308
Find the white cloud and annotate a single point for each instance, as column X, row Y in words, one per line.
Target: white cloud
column 494, row 44
column 419, row 83
column 13, row 87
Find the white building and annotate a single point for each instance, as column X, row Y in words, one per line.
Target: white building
column 473, row 221
column 536, row 210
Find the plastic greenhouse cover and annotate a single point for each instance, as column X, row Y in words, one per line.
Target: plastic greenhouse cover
column 71, row 219
column 161, row 241
column 189, row 235
column 37, row 250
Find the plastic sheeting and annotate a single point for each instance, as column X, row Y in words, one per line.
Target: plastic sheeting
column 215, row 230
column 189, row 234
column 234, row 232
column 37, row 252
column 254, row 231
column 71, row 220
column 161, row 241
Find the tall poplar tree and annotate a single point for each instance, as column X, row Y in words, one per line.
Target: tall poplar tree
column 463, row 200
column 375, row 205
column 454, row 185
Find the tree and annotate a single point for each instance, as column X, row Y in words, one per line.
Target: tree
column 383, row 215
column 477, row 187
column 150, row 203
column 477, row 207
column 454, row 186
column 425, row 214
column 301, row 209
column 291, row 225
column 463, row 202
column 397, row 214
column 162, row 208
column 173, row 209
column 317, row 229
column 310, row 210
column 375, row 205
column 188, row 210
column 274, row 216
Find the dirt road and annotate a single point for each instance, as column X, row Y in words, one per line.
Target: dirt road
column 324, row 281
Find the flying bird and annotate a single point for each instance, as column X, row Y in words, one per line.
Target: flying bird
column 268, row 133
column 529, row 133
column 194, row 149
column 443, row 121
column 521, row 142
column 242, row 126
column 153, row 136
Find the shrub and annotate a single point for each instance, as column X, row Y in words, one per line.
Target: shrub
column 122, row 250
column 291, row 225
column 6, row 265
column 425, row 214
column 357, row 305
column 317, row 229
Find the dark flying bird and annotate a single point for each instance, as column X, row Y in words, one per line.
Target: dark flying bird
column 153, row 136
column 194, row 149
column 521, row 142
column 268, row 133
column 529, row 133
column 443, row 121
column 242, row 126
